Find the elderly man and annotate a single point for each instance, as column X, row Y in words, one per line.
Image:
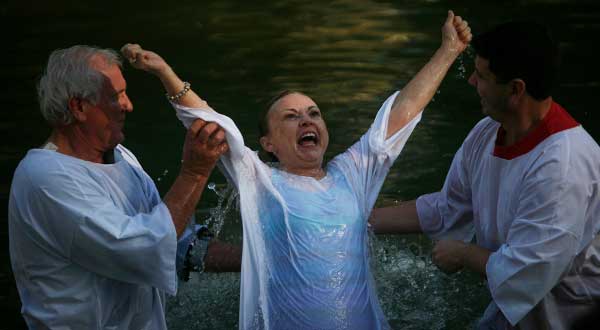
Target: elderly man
column 92, row 244
column 526, row 183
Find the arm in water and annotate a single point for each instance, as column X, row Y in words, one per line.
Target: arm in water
column 198, row 251
column 400, row 219
column 449, row 255
column 456, row 35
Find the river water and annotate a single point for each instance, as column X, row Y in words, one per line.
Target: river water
column 347, row 55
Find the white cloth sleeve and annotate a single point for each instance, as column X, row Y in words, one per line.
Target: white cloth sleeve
column 542, row 241
column 137, row 249
column 448, row 214
column 234, row 137
column 239, row 161
column 367, row 162
column 251, row 177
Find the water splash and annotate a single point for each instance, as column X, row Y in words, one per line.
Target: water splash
column 212, row 186
column 164, row 174
column 414, row 294
column 438, row 92
column 227, row 201
column 210, row 301
column 467, row 56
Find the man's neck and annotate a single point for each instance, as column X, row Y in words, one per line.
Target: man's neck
column 528, row 115
column 70, row 141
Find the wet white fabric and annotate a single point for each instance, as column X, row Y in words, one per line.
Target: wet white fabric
column 539, row 213
column 305, row 259
column 92, row 246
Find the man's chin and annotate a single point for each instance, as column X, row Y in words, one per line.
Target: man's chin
column 485, row 111
column 116, row 141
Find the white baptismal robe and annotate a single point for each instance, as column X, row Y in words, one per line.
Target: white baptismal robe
column 305, row 241
column 538, row 211
column 92, row 245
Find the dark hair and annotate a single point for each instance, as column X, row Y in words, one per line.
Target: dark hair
column 524, row 50
column 263, row 120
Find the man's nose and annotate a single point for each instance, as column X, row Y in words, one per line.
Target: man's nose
column 472, row 79
column 126, row 105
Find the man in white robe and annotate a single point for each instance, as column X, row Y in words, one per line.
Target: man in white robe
column 92, row 244
column 526, row 184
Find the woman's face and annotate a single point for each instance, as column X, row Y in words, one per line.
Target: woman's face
column 297, row 133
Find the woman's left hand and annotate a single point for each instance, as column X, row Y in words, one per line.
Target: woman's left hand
column 456, row 33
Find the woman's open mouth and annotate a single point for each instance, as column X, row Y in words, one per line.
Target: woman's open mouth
column 308, row 139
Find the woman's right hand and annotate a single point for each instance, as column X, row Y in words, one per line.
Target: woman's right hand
column 144, row 59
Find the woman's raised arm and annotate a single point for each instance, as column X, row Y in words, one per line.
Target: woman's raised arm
column 177, row 90
column 456, row 35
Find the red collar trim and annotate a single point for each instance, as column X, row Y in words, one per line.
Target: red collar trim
column 556, row 120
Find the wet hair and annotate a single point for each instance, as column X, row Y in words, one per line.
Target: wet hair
column 523, row 50
column 263, row 121
column 70, row 73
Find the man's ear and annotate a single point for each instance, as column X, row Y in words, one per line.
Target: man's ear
column 77, row 108
column 266, row 144
column 518, row 87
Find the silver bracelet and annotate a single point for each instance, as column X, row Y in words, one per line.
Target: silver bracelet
column 186, row 88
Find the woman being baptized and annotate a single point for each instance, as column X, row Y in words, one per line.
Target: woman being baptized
column 305, row 261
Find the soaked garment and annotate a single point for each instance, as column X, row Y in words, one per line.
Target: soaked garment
column 319, row 274
column 536, row 205
column 92, row 246
column 305, row 261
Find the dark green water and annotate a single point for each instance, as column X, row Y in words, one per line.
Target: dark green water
column 348, row 55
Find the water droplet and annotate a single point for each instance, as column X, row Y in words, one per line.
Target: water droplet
column 164, row 173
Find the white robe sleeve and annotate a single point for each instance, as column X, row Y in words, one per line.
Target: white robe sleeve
column 94, row 234
column 251, row 177
column 448, row 213
column 542, row 241
column 239, row 160
column 367, row 162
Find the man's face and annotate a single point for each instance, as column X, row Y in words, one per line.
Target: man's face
column 297, row 132
column 105, row 120
column 494, row 96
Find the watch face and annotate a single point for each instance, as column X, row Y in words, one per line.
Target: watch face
column 204, row 233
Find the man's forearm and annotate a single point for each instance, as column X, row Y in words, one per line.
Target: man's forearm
column 182, row 198
column 400, row 219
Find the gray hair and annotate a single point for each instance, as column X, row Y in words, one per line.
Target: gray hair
column 69, row 74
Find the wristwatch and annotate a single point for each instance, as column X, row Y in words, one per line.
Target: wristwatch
column 196, row 251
